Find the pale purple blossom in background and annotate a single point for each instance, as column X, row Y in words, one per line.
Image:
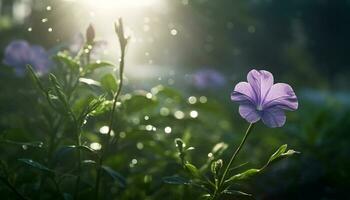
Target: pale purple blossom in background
column 208, row 78
column 20, row 53
column 78, row 43
column 260, row 98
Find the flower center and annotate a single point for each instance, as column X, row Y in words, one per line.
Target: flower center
column 259, row 107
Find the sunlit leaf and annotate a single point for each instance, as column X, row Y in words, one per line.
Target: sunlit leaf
column 93, row 66
column 36, row 79
column 192, row 169
column 89, row 81
column 67, row 60
column 236, row 193
column 243, row 175
column 109, row 83
column 278, row 153
column 28, row 144
column 36, row 165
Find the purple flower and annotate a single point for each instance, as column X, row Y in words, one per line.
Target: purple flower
column 260, row 98
column 78, row 43
column 20, row 53
column 208, row 78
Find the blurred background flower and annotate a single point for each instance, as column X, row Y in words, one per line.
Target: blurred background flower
column 208, row 78
column 20, row 53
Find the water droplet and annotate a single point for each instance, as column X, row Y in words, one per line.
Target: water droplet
column 149, row 95
column 134, row 161
column 48, row 8
column 192, row 100
column 173, row 32
column 44, row 20
column 95, row 146
column 30, row 29
column 149, row 127
column 50, row 29
column 210, row 155
column 179, row 114
column 193, row 114
column 25, row 147
column 164, row 111
column 104, row 129
column 146, row 117
column 40, row 144
column 139, row 145
column 203, row 99
column 167, row 129
column 122, row 134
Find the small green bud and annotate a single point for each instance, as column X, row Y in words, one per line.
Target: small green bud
column 179, row 144
column 216, row 166
column 90, row 34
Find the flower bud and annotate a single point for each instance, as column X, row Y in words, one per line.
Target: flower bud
column 90, row 34
column 179, row 144
column 216, row 166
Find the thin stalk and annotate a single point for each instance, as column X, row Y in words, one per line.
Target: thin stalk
column 12, row 188
column 123, row 43
column 78, row 142
column 233, row 158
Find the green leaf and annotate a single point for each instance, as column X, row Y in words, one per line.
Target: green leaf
column 82, row 147
column 67, row 60
column 117, row 177
column 36, row 79
column 36, row 165
column 59, row 91
column 192, row 169
column 278, row 153
column 28, row 144
column 93, row 66
column 139, row 103
column 176, row 180
column 244, row 175
column 109, row 83
column 89, row 81
column 236, row 193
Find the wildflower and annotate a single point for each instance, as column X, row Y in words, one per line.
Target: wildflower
column 20, row 53
column 208, row 78
column 260, row 98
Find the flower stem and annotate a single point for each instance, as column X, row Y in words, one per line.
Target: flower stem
column 123, row 43
column 12, row 188
column 233, row 158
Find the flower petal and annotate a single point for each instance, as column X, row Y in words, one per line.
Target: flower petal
column 243, row 93
column 273, row 117
column 261, row 82
column 282, row 96
column 249, row 113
